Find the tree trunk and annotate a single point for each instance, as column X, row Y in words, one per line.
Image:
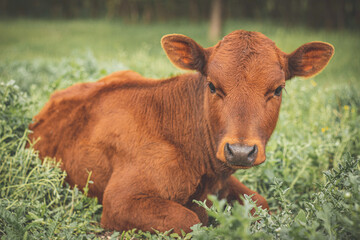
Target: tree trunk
column 215, row 30
column 3, row 7
column 194, row 10
column 357, row 14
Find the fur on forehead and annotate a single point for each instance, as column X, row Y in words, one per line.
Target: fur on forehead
column 239, row 48
column 247, row 42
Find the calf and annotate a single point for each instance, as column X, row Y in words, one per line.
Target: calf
column 153, row 146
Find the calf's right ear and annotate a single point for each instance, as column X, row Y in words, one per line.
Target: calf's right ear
column 184, row 52
column 309, row 59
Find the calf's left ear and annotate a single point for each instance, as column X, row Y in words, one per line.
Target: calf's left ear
column 309, row 59
column 184, row 52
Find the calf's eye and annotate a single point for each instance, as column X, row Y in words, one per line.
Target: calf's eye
column 212, row 87
column 278, row 91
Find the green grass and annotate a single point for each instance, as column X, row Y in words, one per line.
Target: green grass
column 311, row 177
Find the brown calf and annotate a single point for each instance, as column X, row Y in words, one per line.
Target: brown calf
column 153, row 146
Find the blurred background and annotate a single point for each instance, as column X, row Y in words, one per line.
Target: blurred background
column 129, row 30
column 330, row 14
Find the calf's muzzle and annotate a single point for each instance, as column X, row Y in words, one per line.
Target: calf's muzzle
column 240, row 155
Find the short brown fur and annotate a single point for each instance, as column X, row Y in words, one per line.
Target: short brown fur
column 153, row 146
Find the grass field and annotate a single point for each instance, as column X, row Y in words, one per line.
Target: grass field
column 311, row 177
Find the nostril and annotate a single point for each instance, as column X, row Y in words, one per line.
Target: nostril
column 228, row 150
column 253, row 152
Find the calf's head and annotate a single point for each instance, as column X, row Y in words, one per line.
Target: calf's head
column 244, row 75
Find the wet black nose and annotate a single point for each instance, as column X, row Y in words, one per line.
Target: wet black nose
column 240, row 155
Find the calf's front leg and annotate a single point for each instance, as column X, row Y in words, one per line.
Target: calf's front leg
column 124, row 211
column 234, row 188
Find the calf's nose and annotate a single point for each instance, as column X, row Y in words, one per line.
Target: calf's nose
column 240, row 155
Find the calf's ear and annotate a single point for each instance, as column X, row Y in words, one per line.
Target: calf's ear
column 309, row 59
column 184, row 52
